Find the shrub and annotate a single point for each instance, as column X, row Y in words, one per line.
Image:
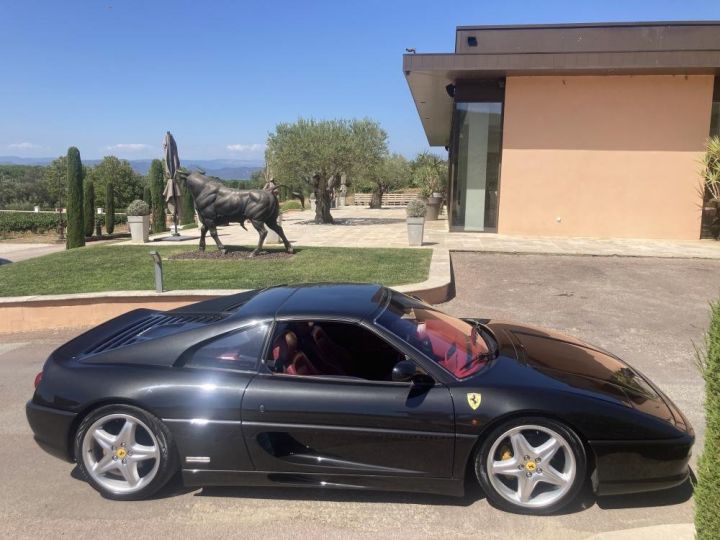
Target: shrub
column 415, row 208
column 11, row 222
column 89, row 208
column 109, row 207
column 290, row 205
column 138, row 208
column 707, row 492
column 75, row 215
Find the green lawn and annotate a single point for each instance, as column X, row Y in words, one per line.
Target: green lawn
column 113, row 268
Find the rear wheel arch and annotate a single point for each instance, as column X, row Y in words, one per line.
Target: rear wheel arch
column 152, row 445
column 92, row 407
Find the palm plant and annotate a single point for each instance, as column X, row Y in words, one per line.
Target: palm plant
column 711, row 181
column 711, row 167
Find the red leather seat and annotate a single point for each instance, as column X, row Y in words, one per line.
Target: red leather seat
column 336, row 360
column 288, row 359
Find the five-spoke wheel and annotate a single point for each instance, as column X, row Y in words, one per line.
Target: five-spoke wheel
column 123, row 452
column 531, row 465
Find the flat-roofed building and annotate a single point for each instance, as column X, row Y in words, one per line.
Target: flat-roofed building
column 574, row 130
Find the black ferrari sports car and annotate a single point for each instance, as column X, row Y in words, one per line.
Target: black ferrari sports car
column 356, row 387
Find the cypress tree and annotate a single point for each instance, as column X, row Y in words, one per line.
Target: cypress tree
column 89, row 207
column 75, row 217
column 187, row 210
column 147, row 196
column 156, row 181
column 109, row 207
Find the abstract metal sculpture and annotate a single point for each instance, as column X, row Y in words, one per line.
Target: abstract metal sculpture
column 217, row 204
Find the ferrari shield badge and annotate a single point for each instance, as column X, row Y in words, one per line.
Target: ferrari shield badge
column 474, row 400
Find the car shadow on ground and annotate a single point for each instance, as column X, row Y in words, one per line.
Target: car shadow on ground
column 473, row 493
column 342, row 495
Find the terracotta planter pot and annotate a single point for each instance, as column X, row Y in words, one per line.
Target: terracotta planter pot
column 432, row 210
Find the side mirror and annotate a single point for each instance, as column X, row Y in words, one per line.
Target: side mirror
column 404, row 371
column 407, row 371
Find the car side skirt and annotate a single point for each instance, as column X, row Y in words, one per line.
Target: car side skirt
column 442, row 486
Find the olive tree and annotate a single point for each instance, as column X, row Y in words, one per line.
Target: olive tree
column 393, row 172
column 316, row 153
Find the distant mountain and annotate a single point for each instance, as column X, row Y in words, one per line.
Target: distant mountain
column 227, row 169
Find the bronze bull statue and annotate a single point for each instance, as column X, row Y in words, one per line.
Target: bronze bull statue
column 217, row 204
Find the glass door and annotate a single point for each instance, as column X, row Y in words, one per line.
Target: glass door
column 478, row 140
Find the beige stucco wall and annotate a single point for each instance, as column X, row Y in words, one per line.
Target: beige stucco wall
column 604, row 156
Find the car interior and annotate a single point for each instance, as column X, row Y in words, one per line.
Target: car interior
column 331, row 349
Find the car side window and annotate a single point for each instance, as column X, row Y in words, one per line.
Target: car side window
column 237, row 350
column 328, row 348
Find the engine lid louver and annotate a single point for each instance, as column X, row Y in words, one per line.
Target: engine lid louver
column 139, row 330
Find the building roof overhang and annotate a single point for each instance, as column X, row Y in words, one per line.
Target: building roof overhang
column 582, row 49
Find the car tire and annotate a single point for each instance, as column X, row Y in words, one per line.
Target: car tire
column 522, row 470
column 124, row 452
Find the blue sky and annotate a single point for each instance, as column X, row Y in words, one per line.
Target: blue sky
column 110, row 77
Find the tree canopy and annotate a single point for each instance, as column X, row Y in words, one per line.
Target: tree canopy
column 127, row 184
column 391, row 173
column 316, row 153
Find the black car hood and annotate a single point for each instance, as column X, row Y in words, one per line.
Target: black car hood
column 584, row 367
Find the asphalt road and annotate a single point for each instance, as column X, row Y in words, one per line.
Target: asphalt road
column 649, row 311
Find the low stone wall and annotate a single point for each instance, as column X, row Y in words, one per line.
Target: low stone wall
column 51, row 314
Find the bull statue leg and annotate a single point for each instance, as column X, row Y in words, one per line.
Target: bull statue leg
column 262, row 232
column 203, row 232
column 214, row 234
column 277, row 229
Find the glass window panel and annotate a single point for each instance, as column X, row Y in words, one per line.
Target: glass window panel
column 475, row 190
column 238, row 350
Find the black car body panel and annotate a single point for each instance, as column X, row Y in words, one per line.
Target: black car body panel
column 252, row 426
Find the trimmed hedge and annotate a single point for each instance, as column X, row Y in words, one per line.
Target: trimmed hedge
column 290, row 205
column 36, row 222
column 707, row 492
column 28, row 221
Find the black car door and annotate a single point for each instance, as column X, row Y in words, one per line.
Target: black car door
column 348, row 425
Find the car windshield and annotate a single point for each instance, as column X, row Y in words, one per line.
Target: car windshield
column 454, row 344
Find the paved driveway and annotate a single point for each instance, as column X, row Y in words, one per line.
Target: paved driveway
column 13, row 252
column 650, row 311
